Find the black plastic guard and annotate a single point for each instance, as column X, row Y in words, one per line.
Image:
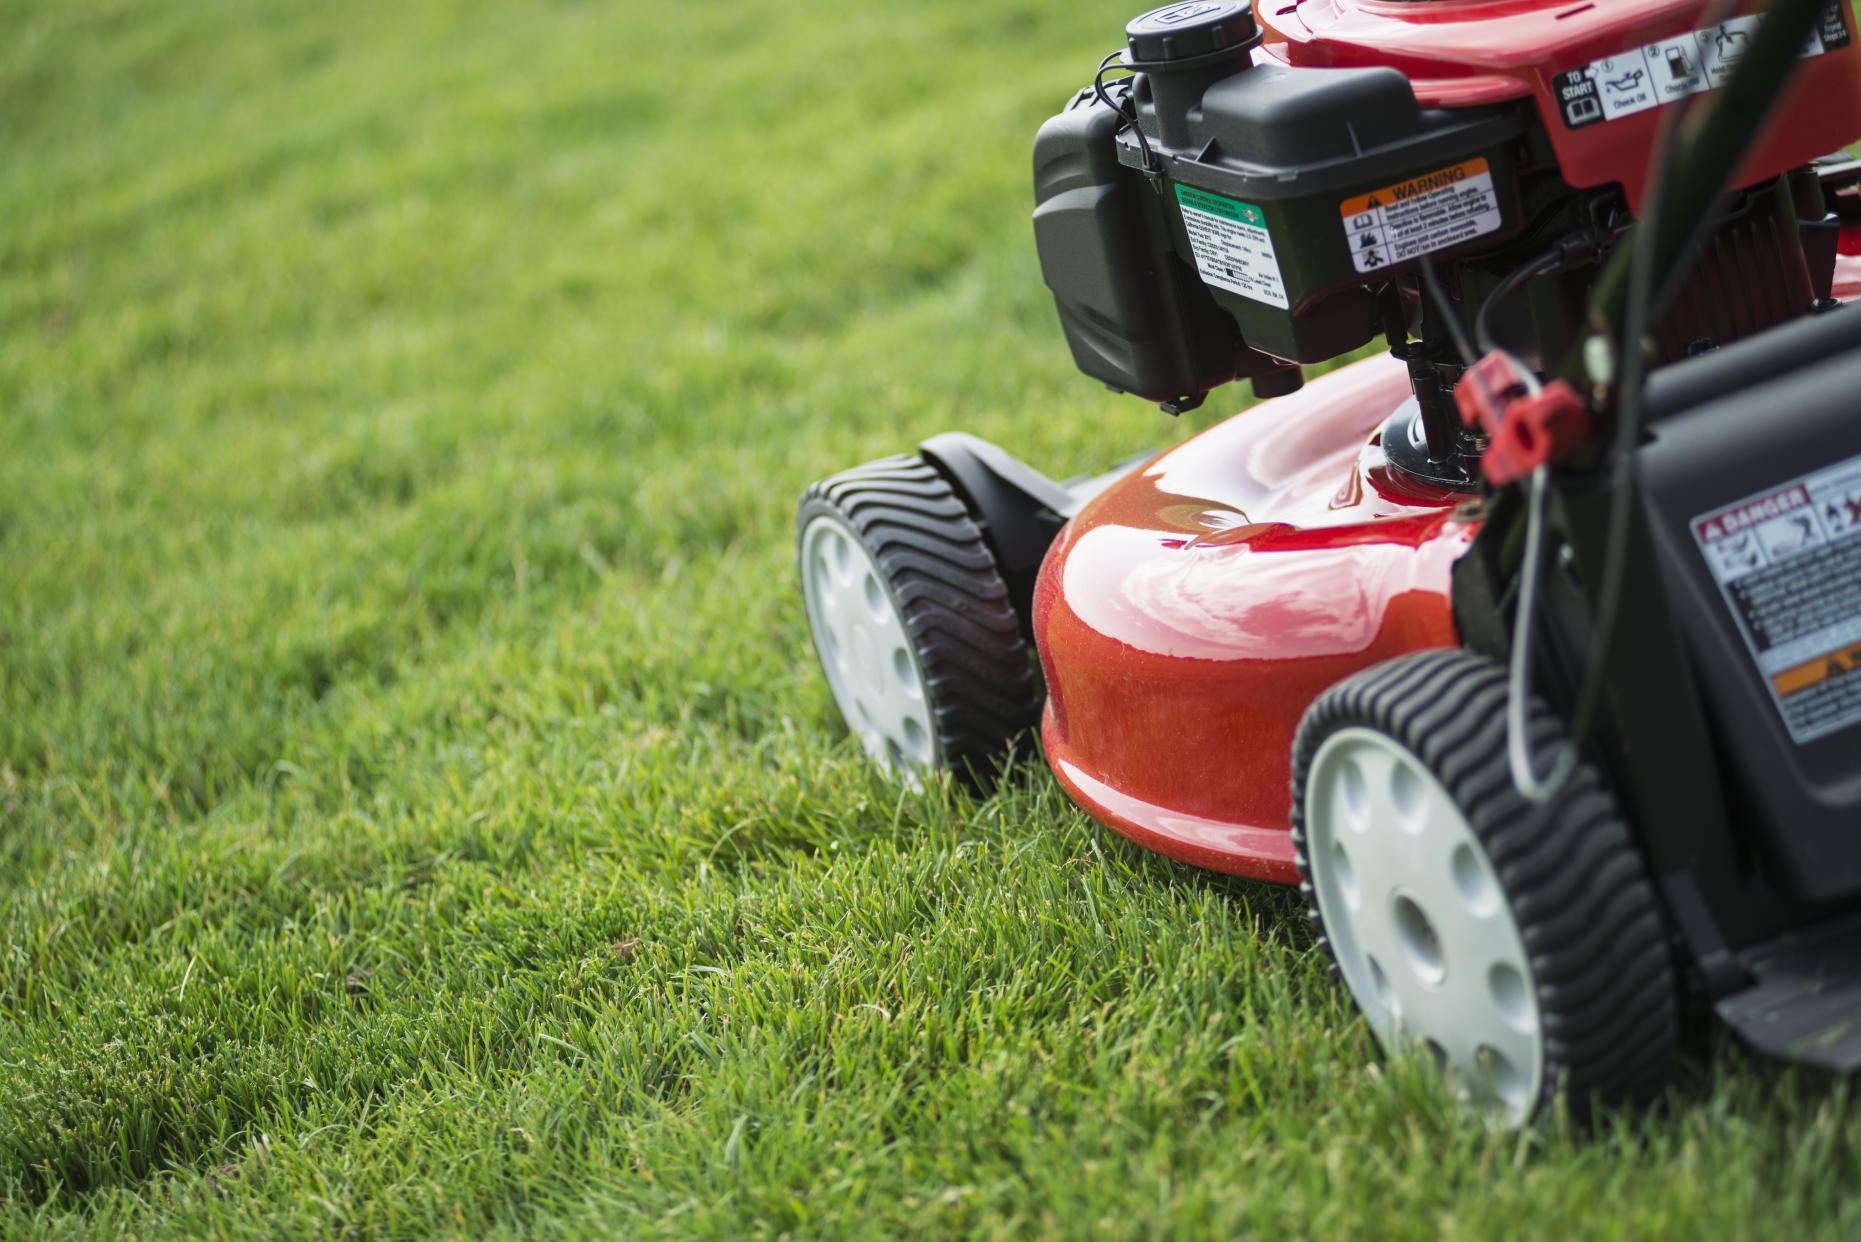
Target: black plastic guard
column 1019, row 509
column 1792, row 777
column 1806, row 1004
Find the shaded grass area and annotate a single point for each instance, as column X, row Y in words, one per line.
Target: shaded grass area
column 419, row 812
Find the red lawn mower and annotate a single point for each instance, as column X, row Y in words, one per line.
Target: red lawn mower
column 1531, row 648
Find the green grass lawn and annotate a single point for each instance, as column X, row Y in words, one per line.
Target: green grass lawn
column 419, row 809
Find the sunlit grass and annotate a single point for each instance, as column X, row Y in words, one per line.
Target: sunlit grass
column 419, row 812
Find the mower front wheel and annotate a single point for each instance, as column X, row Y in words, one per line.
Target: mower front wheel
column 912, row 621
column 1520, row 946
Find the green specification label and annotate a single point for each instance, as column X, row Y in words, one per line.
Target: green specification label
column 1233, row 249
column 1215, row 204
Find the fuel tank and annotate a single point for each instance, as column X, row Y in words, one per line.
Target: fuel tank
column 1188, row 615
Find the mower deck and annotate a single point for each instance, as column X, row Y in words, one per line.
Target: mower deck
column 1192, row 611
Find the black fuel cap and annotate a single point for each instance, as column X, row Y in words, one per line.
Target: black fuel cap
column 1191, row 28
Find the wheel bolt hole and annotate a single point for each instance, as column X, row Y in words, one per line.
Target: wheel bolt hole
column 904, row 670
column 1498, row 1077
column 1474, row 880
column 917, row 741
column 823, row 576
column 1379, row 981
column 1409, row 796
column 1421, row 945
column 1510, row 996
column 1346, row 877
column 1354, row 792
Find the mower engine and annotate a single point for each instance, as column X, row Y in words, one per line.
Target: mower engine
column 1261, row 193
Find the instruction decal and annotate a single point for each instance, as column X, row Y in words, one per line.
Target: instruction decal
column 1419, row 216
column 1789, row 564
column 1233, row 249
column 1671, row 69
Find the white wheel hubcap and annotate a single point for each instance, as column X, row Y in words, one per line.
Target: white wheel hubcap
column 865, row 648
column 1420, row 927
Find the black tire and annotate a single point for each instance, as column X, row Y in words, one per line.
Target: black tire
column 1570, row 874
column 937, row 573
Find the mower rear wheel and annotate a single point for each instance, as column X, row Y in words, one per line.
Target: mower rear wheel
column 912, row 621
column 1520, row 947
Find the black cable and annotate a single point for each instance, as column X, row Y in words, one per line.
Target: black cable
column 1518, row 666
column 1629, row 370
column 1525, row 778
column 1733, row 116
column 1457, row 332
column 1449, row 317
column 1098, row 83
column 1129, row 118
column 1631, row 366
column 1482, row 322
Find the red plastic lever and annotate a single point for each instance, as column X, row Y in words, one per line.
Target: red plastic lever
column 1526, row 426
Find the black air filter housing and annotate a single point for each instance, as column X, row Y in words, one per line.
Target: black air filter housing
column 1328, row 180
column 1135, row 314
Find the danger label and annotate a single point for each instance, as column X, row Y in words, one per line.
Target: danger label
column 1435, row 211
column 1669, row 69
column 1789, row 564
column 1233, row 249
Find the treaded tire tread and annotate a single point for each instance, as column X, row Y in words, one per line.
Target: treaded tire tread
column 978, row 680
column 1571, row 873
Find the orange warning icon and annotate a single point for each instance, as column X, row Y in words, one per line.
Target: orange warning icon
column 1812, row 673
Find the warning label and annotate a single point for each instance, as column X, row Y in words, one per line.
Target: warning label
column 1789, row 563
column 1421, row 215
column 1669, row 69
column 1233, row 249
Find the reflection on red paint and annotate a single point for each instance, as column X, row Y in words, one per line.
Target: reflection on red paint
column 1848, row 271
column 1187, row 617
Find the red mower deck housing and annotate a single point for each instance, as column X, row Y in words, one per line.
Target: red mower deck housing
column 1188, row 615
